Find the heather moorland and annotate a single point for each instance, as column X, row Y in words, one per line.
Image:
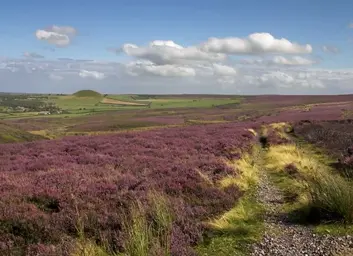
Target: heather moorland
column 207, row 180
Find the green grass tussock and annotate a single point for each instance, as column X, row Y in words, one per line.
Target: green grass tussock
column 234, row 230
column 314, row 192
column 138, row 231
column 333, row 194
column 149, row 235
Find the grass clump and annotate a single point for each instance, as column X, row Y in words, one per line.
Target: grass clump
column 162, row 222
column 149, row 233
column 333, row 194
column 241, row 220
column 314, row 193
column 138, row 231
column 234, row 230
column 88, row 248
column 247, row 172
column 253, row 132
column 147, row 227
column 231, row 233
column 280, row 156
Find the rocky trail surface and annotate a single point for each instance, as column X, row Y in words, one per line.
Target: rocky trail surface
column 283, row 238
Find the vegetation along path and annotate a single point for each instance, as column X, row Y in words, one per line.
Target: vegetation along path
column 289, row 239
column 282, row 234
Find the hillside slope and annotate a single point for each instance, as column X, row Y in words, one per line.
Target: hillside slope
column 87, row 93
column 10, row 134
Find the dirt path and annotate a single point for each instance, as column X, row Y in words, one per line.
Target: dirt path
column 120, row 102
column 283, row 238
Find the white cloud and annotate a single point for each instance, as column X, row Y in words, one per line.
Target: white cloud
column 295, row 61
column 291, row 79
column 223, row 70
column 280, row 61
column 33, row 55
column 66, row 75
column 329, row 49
column 146, row 67
column 168, row 52
column 226, row 80
column 58, row 36
column 257, row 43
column 167, row 43
column 252, row 61
column 53, row 37
column 282, row 79
column 91, row 74
column 66, row 30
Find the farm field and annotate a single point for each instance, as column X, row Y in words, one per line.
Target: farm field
column 87, row 102
column 177, row 175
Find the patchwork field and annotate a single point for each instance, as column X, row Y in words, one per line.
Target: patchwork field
column 176, row 175
column 123, row 103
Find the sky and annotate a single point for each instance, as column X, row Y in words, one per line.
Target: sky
column 161, row 47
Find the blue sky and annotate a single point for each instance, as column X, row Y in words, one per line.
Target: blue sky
column 107, row 23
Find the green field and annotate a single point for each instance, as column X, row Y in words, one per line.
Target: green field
column 179, row 101
column 91, row 102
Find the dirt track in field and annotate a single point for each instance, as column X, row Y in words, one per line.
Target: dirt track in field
column 119, row 102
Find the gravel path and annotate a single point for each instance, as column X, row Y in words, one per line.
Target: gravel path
column 283, row 238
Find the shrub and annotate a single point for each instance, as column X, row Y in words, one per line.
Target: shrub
column 332, row 193
column 107, row 173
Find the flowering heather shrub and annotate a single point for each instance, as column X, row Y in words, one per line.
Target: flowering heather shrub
column 292, row 100
column 316, row 113
column 168, row 120
column 348, row 161
column 335, row 136
column 275, row 134
column 274, row 137
column 292, row 170
column 51, row 189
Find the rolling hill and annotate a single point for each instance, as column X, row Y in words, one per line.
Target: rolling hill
column 87, row 94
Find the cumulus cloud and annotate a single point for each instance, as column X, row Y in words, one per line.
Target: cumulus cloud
column 226, row 80
column 329, row 49
column 146, row 67
column 257, row 43
column 166, row 58
column 91, row 74
column 66, row 30
column 33, row 55
column 223, row 70
column 252, row 61
column 280, row 78
column 279, row 61
column 293, row 61
column 289, row 80
column 167, row 52
column 56, row 35
column 167, row 67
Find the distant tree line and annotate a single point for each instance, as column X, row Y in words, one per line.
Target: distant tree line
column 26, row 103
